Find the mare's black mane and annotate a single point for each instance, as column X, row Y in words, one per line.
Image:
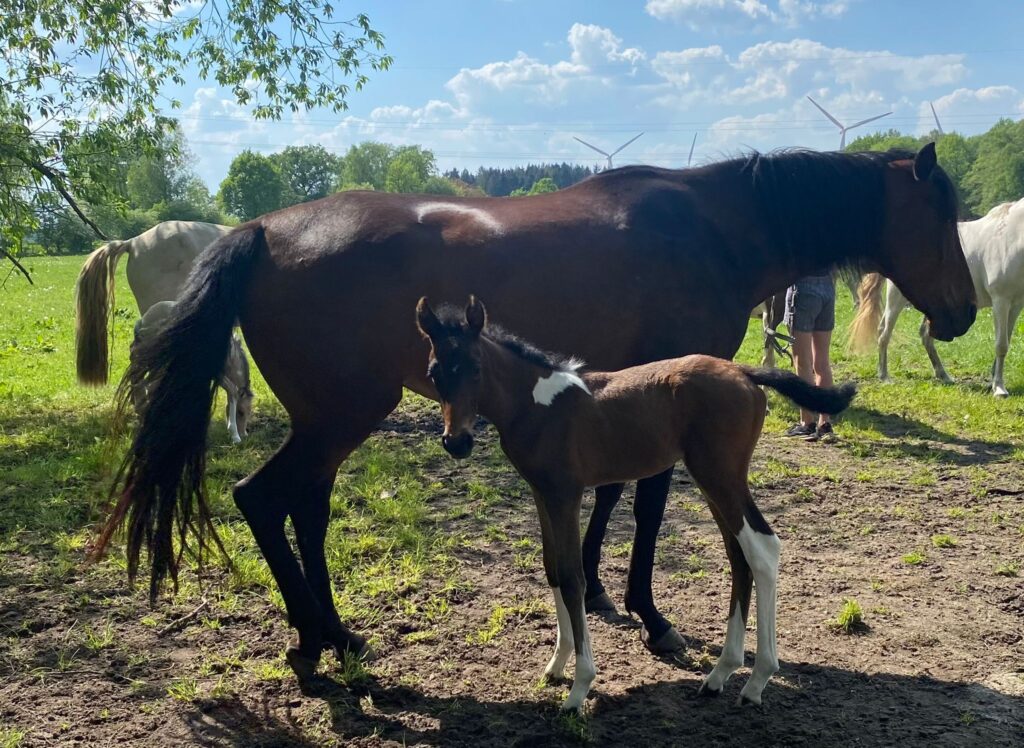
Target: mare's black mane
column 792, row 187
column 453, row 319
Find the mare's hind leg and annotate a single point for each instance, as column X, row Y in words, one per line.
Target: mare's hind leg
column 605, row 499
column 648, row 510
column 297, row 482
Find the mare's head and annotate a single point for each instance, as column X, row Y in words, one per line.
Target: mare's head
column 454, row 369
column 920, row 248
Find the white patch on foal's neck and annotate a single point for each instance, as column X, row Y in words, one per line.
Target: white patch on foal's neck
column 548, row 388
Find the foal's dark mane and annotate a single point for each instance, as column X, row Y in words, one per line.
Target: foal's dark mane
column 453, row 318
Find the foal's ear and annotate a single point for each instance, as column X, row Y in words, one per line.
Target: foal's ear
column 476, row 315
column 925, row 162
column 426, row 320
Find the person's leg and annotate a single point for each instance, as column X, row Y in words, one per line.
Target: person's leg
column 803, row 360
column 800, row 314
column 822, row 364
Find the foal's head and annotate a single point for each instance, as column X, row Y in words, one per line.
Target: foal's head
column 455, row 370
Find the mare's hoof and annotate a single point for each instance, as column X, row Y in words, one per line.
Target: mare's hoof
column 303, row 667
column 600, row 603
column 945, row 378
column 668, row 643
column 1000, row 393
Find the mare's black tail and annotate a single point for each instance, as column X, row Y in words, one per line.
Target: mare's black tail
column 829, row 400
column 159, row 487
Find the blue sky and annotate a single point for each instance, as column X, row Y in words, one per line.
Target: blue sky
column 504, row 82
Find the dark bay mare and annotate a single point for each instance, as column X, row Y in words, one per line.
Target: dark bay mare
column 634, row 265
column 565, row 429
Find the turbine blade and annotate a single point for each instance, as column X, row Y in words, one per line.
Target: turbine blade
column 821, row 109
column 938, row 125
column 592, row 147
column 842, row 139
column 869, row 119
column 689, row 159
column 623, row 145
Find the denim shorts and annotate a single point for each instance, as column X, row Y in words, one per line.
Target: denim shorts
column 808, row 311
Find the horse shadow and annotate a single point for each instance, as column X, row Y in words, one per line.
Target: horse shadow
column 805, row 704
column 914, row 439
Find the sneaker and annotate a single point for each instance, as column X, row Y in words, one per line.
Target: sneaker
column 823, row 433
column 801, row 429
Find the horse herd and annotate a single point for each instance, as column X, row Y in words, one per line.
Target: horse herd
column 631, row 270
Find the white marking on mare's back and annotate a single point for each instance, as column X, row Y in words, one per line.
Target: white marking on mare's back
column 479, row 214
column 548, row 388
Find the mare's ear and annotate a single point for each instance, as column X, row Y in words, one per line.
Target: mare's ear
column 476, row 315
column 426, row 320
column 925, row 162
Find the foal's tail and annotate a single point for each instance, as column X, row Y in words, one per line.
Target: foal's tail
column 864, row 328
column 94, row 298
column 829, row 400
column 159, row 486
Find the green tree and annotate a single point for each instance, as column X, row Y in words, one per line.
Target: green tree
column 884, row 141
column 252, row 187
column 309, row 172
column 439, row 186
column 410, row 168
column 541, row 186
column 957, row 154
column 81, row 83
column 366, row 164
column 997, row 174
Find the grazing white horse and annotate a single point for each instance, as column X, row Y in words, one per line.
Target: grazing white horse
column 159, row 261
column 234, row 378
column 994, row 248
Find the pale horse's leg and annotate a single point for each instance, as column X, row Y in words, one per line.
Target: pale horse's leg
column 933, row 355
column 895, row 302
column 1004, row 317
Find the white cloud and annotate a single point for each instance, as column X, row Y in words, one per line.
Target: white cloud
column 696, row 13
column 967, row 108
column 596, row 46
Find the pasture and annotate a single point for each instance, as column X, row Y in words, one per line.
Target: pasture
column 901, row 587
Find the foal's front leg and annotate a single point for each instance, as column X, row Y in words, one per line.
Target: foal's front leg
column 563, row 563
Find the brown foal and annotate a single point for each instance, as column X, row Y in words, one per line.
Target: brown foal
column 565, row 430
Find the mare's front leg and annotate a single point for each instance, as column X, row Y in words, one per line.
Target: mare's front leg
column 648, row 510
column 559, row 515
column 605, row 499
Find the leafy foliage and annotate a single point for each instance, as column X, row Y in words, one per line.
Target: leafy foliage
column 80, row 86
column 253, row 186
column 309, row 172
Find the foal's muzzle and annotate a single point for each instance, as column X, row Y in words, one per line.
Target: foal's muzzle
column 458, row 446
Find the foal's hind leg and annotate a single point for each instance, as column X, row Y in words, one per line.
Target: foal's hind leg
column 648, row 510
column 605, row 499
column 720, row 469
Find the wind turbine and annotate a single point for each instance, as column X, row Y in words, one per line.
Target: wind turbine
column 689, row 159
column 603, row 153
column 938, row 125
column 843, row 129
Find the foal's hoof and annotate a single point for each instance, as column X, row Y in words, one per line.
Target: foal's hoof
column 745, row 701
column 304, row 667
column 668, row 643
column 707, row 692
column 600, row 603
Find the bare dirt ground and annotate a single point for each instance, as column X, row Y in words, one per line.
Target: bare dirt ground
column 940, row 660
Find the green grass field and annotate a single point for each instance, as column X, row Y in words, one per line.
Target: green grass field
column 403, row 514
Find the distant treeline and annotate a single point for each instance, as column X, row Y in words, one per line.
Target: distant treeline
column 503, row 182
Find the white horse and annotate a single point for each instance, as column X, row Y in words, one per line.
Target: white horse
column 994, row 248
column 234, row 378
column 159, row 261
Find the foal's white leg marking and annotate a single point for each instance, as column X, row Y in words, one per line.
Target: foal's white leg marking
column 585, row 670
column 480, row 215
column 732, row 653
column 563, row 640
column 548, row 388
column 233, row 418
column 1001, row 319
column 762, row 554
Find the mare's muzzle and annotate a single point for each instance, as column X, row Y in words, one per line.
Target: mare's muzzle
column 458, row 446
column 947, row 327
